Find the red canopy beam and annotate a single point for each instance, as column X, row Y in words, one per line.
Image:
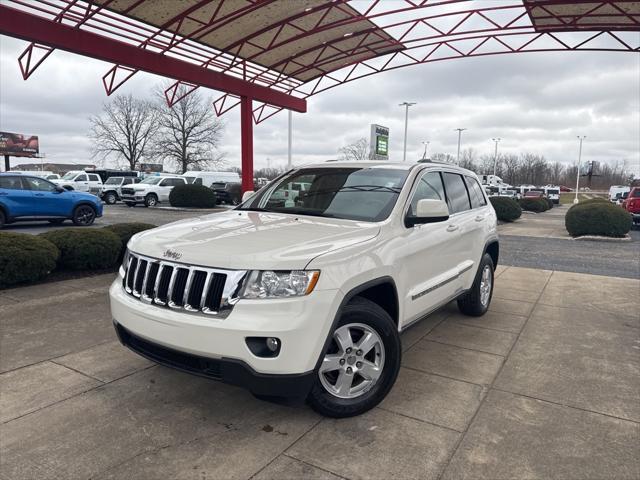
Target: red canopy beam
column 26, row 26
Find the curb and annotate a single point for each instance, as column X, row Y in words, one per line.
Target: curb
column 598, row 238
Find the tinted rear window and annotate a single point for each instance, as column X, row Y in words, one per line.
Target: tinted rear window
column 475, row 192
column 457, row 196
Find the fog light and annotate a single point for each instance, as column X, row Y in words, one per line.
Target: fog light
column 272, row 344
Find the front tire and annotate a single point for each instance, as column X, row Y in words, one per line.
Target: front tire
column 476, row 301
column 110, row 198
column 361, row 363
column 84, row 215
column 150, row 200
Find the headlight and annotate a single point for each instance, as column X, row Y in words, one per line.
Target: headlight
column 125, row 260
column 279, row 284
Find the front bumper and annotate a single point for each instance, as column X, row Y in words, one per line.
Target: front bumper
column 234, row 372
column 301, row 324
column 133, row 198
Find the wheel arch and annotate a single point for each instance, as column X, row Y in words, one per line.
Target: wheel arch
column 493, row 249
column 368, row 289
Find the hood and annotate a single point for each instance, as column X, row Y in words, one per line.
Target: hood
column 251, row 240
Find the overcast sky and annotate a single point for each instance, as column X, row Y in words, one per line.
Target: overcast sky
column 536, row 102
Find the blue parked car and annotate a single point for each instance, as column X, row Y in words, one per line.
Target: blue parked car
column 29, row 198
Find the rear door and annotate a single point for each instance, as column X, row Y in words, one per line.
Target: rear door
column 462, row 221
column 95, row 183
column 14, row 196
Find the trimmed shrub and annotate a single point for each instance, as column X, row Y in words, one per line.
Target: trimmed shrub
column 537, row 205
column 25, row 258
column 196, row 196
column 127, row 230
column 597, row 218
column 549, row 203
column 85, row 248
column 594, row 200
column 507, row 209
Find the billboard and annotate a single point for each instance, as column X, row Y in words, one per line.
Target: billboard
column 18, row 145
column 379, row 142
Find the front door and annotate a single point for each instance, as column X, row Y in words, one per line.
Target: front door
column 47, row 200
column 428, row 255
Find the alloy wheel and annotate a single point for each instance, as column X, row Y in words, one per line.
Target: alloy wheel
column 354, row 362
column 84, row 215
column 486, row 282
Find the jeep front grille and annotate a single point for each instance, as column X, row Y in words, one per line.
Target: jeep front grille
column 178, row 286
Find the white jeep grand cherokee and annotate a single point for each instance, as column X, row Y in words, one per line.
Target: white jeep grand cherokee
column 308, row 299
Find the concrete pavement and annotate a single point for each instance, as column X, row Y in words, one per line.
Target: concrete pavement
column 543, row 386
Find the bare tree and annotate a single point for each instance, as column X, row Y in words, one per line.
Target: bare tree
column 123, row 131
column 189, row 132
column 358, row 150
column 468, row 159
column 443, row 158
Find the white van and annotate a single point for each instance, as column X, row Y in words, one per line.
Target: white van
column 207, row 178
column 617, row 189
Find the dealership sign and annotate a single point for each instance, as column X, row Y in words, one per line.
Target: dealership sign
column 379, row 142
column 18, row 145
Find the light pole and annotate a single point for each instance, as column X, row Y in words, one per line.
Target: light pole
column 460, row 130
column 406, row 122
column 289, row 166
column 424, row 154
column 495, row 156
column 581, row 138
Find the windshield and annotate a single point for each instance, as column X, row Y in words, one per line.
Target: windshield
column 69, row 175
column 366, row 194
column 113, row 181
column 190, row 179
column 151, row 180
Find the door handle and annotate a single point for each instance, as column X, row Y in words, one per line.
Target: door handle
column 452, row 228
column 39, row 194
column 479, row 218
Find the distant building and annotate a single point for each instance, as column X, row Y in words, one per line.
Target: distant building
column 59, row 168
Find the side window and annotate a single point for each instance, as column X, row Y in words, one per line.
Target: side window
column 81, row 178
column 429, row 187
column 197, row 181
column 40, row 184
column 165, row 183
column 94, row 178
column 127, row 181
column 457, row 195
column 11, row 183
column 475, row 192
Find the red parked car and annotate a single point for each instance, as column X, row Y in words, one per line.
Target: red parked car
column 632, row 204
column 534, row 194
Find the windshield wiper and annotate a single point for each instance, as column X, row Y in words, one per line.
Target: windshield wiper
column 355, row 188
column 254, row 209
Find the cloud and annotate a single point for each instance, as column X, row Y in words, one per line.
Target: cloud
column 536, row 102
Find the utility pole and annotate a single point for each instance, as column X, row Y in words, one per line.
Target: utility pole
column 460, row 130
column 495, row 156
column 426, row 145
column 581, row 138
column 406, row 122
column 289, row 163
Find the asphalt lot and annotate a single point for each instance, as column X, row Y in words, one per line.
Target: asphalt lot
column 543, row 386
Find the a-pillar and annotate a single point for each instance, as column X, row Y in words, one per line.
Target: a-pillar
column 246, row 135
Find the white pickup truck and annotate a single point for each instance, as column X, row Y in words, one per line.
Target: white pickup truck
column 81, row 181
column 151, row 190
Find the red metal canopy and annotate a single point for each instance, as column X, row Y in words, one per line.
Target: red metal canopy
column 280, row 52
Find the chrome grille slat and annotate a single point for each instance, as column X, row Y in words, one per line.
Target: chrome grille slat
column 190, row 288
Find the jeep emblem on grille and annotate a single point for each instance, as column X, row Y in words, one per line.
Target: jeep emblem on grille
column 171, row 254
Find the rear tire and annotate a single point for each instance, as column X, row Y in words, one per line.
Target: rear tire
column 150, row 200
column 361, row 363
column 84, row 215
column 476, row 301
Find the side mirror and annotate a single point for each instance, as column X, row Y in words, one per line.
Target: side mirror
column 247, row 195
column 428, row 211
column 60, row 190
